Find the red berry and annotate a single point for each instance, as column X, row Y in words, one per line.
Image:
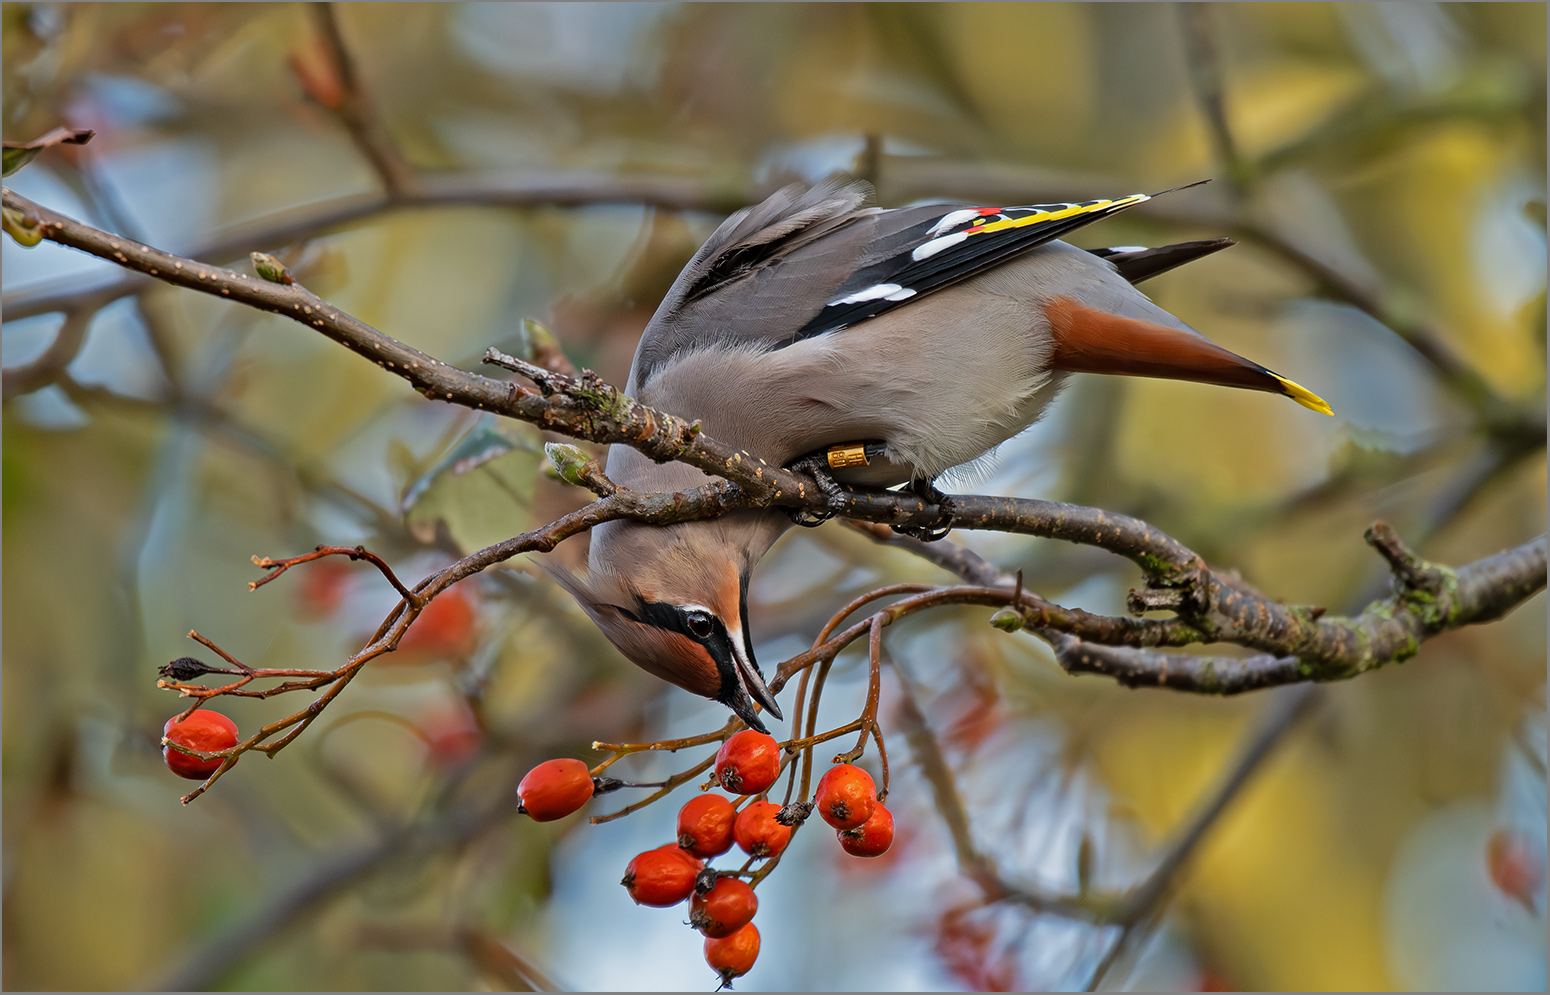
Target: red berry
column 748, row 762
column 661, row 877
column 846, row 796
column 705, row 825
column 446, row 627
column 733, row 956
column 555, row 789
column 872, row 838
column 205, row 730
column 1515, row 867
column 452, row 735
column 725, row 909
column 323, row 586
column 757, row 832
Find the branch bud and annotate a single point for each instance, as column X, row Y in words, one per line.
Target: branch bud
column 270, row 268
column 570, row 462
column 22, row 228
column 1007, row 620
column 540, row 339
column 543, row 349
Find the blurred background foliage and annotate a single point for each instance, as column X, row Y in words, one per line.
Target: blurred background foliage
column 1384, row 166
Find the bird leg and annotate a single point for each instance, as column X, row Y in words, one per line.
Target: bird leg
column 925, row 488
column 816, row 465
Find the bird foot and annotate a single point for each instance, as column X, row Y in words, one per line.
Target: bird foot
column 925, row 488
column 817, row 467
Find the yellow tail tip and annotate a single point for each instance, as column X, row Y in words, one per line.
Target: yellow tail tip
column 1304, row 396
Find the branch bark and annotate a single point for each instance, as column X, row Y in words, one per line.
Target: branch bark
column 1210, row 607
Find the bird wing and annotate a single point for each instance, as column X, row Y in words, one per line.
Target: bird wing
column 726, row 293
column 943, row 249
column 810, row 261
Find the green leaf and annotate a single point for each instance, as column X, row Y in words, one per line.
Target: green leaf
column 482, row 489
column 18, row 154
column 490, row 437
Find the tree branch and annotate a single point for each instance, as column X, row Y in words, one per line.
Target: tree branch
column 50, row 365
column 570, row 189
column 1210, row 607
column 1140, row 667
column 354, row 110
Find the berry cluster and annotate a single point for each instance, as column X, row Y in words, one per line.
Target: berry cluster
column 203, row 745
column 722, row 902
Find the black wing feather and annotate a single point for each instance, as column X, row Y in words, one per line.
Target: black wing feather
column 982, row 246
column 1136, row 263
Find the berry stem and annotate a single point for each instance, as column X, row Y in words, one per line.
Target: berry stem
column 812, row 724
column 668, row 745
column 823, row 737
column 278, row 567
column 868, row 720
column 667, row 786
column 244, row 668
column 882, row 757
column 801, row 700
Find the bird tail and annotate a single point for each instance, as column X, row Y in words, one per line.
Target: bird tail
column 1089, row 340
column 1136, row 263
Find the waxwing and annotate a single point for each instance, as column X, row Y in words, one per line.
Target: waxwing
column 884, row 346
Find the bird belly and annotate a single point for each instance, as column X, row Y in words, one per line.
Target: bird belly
column 940, row 382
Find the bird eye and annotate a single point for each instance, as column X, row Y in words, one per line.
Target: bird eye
column 700, row 624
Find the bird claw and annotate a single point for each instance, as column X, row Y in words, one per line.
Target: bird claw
column 924, row 534
column 926, row 490
column 817, row 467
column 809, row 519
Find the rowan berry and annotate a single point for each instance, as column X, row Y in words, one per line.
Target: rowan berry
column 446, row 627
column 870, row 839
column 662, row 877
column 757, row 832
column 725, row 909
column 748, row 762
column 554, row 789
column 452, row 735
column 846, row 796
column 205, row 730
column 705, row 825
column 733, row 956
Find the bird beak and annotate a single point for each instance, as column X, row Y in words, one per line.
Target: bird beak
column 749, row 677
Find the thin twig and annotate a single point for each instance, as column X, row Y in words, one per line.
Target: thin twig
column 278, row 567
column 354, row 108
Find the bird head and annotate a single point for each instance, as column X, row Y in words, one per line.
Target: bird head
column 674, row 600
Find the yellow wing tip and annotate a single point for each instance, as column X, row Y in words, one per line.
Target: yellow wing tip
column 1304, row 396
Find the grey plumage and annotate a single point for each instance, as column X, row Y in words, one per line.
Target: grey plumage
column 810, row 321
